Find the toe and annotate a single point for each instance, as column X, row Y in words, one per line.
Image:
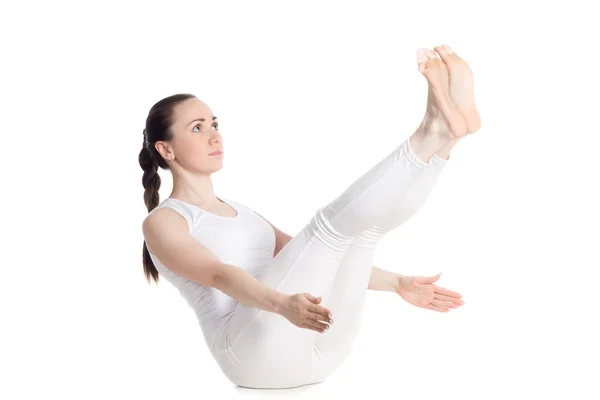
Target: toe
column 450, row 57
column 427, row 59
column 431, row 54
column 444, row 53
column 421, row 55
column 422, row 59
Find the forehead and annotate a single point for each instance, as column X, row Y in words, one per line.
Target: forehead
column 192, row 109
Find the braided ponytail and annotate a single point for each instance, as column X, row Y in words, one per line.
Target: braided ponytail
column 151, row 183
column 150, row 180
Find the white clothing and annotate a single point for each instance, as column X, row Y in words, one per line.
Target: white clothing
column 330, row 257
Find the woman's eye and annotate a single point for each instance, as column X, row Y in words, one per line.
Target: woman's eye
column 201, row 125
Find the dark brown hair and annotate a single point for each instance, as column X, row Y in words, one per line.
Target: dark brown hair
column 158, row 128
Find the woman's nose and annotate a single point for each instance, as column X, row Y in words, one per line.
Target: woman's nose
column 216, row 138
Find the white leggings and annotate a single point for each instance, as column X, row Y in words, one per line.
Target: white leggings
column 331, row 257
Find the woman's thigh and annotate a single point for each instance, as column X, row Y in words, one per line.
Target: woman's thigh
column 270, row 352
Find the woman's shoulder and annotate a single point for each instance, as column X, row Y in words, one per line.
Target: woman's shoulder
column 167, row 211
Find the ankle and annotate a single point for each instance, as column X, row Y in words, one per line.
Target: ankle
column 444, row 153
column 426, row 142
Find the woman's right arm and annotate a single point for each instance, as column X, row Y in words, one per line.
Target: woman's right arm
column 167, row 237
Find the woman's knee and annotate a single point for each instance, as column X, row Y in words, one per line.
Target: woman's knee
column 321, row 227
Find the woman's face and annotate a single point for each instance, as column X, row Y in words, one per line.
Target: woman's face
column 195, row 136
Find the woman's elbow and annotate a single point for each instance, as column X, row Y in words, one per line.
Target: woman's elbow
column 210, row 275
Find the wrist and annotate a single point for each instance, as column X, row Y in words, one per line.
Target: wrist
column 398, row 281
column 277, row 301
column 390, row 282
column 385, row 281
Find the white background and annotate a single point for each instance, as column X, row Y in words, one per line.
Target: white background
column 309, row 95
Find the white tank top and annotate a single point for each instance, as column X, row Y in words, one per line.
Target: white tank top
column 246, row 241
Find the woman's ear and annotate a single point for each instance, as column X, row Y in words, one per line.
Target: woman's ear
column 164, row 150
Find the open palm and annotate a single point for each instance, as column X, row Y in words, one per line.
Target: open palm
column 421, row 291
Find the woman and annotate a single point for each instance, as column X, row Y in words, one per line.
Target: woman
column 278, row 311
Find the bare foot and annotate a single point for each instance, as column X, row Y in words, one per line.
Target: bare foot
column 451, row 100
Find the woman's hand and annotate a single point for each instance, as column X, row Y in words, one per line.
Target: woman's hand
column 420, row 291
column 302, row 310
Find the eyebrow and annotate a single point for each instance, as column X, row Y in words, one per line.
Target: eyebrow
column 201, row 119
